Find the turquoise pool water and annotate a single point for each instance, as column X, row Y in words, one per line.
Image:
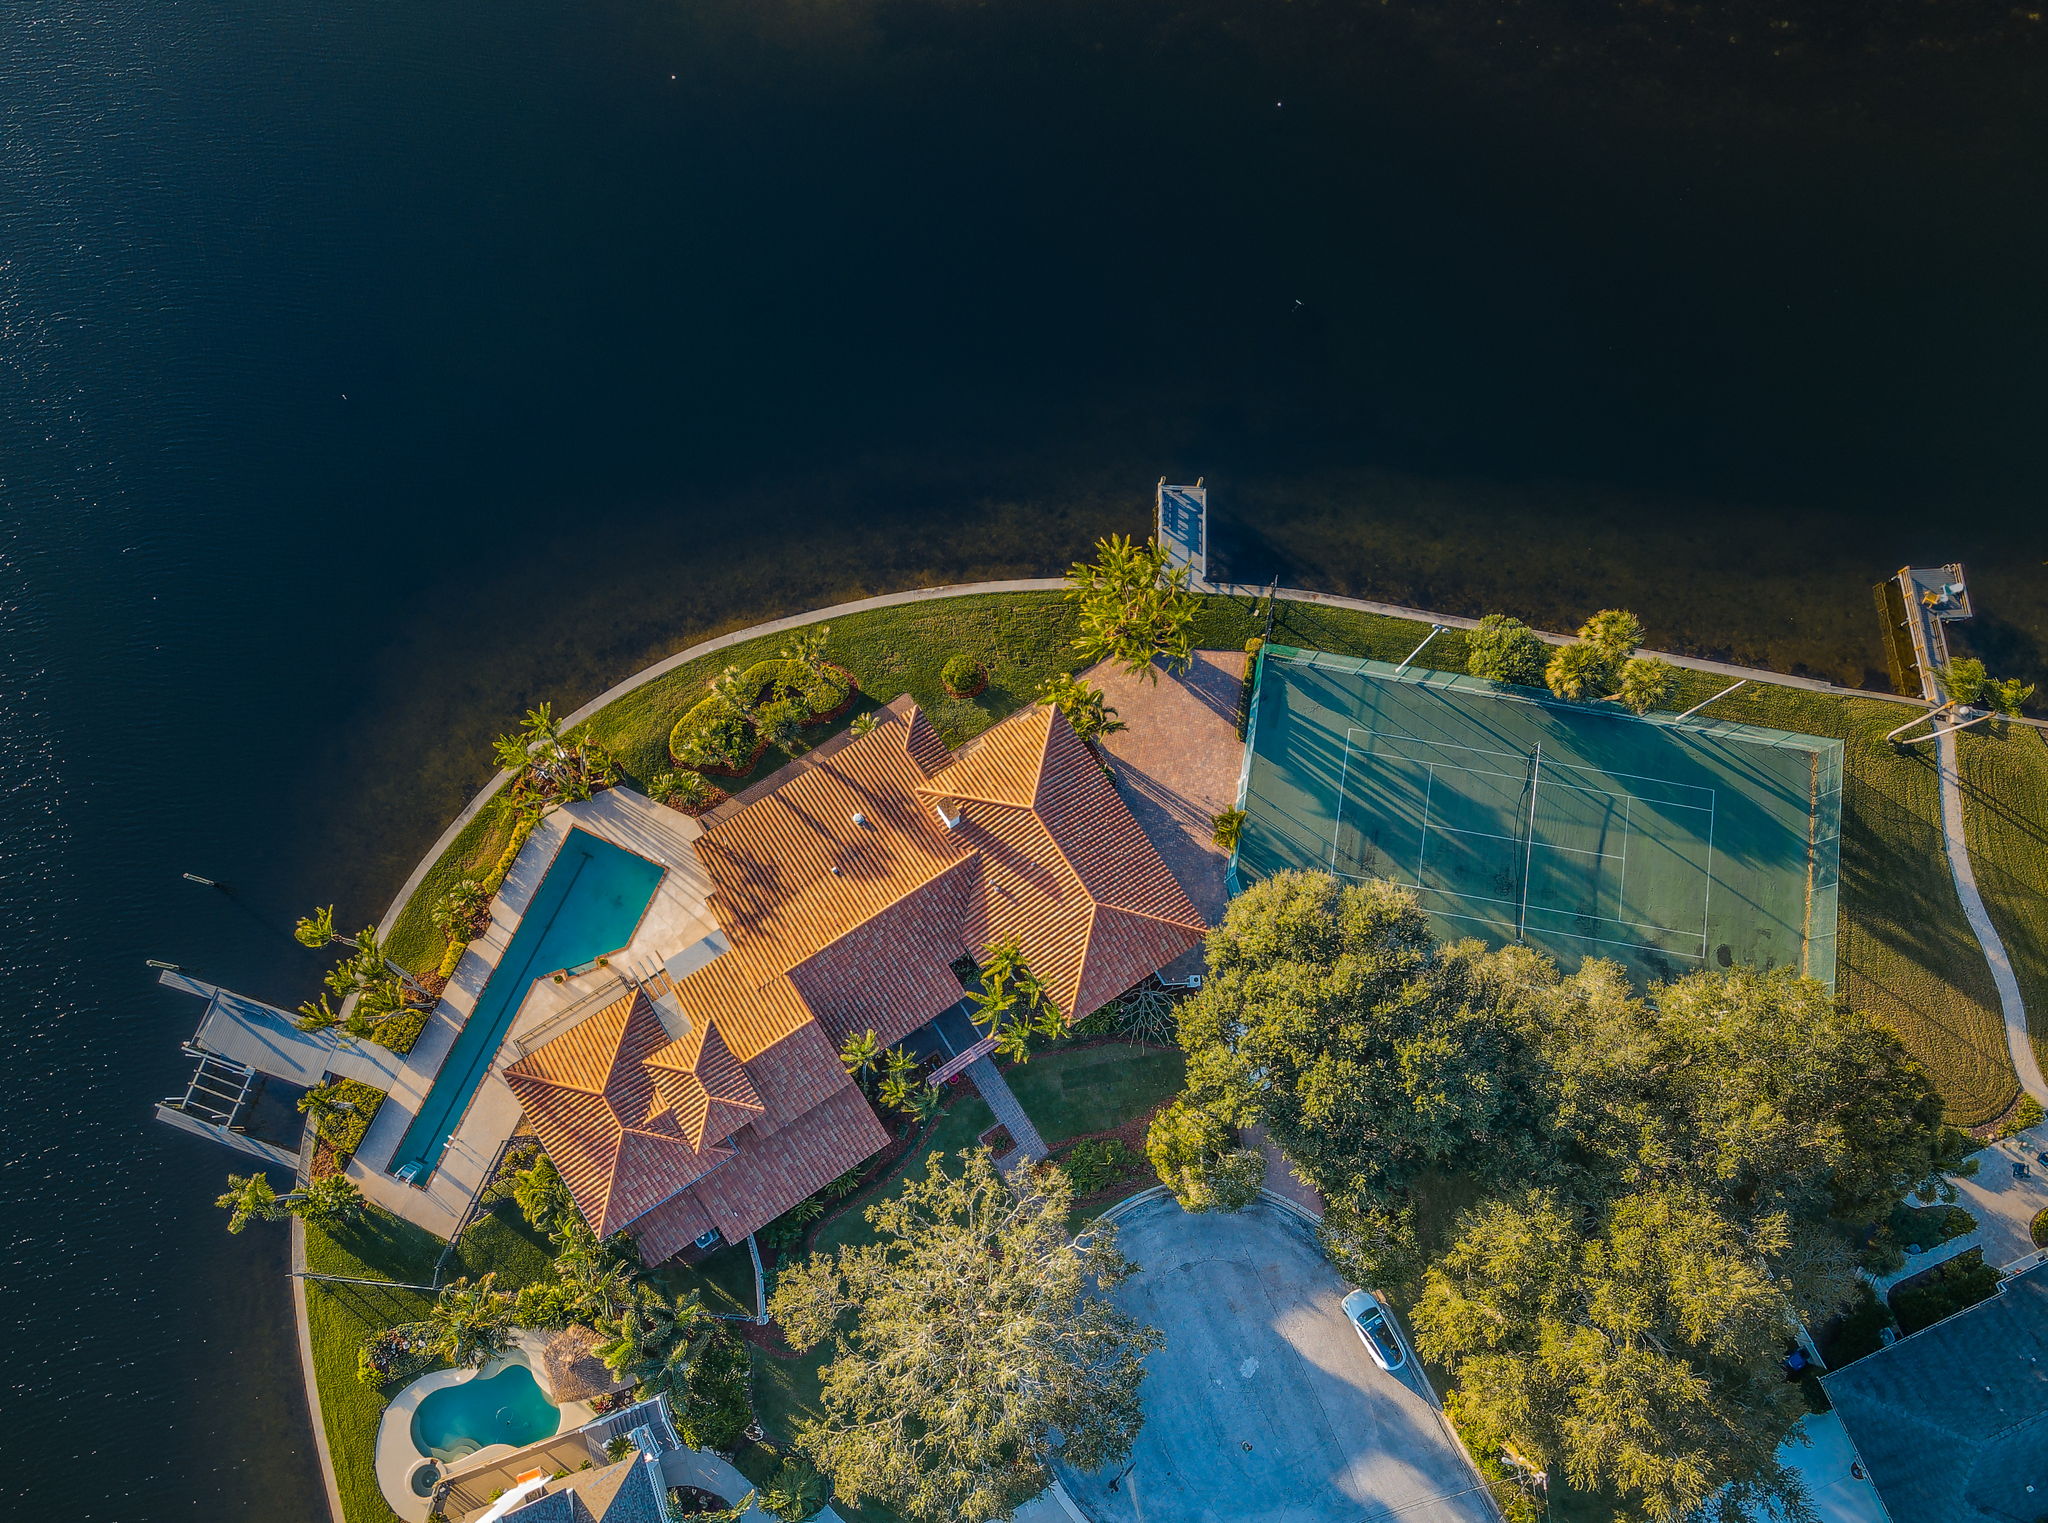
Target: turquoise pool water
column 508, row 1408
column 590, row 903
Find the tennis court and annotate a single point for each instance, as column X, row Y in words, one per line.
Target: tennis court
column 1667, row 845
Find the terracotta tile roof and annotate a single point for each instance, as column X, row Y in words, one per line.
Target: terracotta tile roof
column 845, row 900
column 761, row 1182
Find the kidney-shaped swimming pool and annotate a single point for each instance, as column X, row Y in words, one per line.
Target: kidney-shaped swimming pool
column 505, row 1408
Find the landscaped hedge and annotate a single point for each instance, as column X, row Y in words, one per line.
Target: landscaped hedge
column 716, row 736
column 397, row 1353
column 344, row 1131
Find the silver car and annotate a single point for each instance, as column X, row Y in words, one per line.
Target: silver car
column 1375, row 1329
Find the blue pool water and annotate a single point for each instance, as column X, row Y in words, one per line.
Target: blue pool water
column 508, row 1408
column 589, row 904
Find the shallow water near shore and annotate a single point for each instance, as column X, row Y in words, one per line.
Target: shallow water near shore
column 370, row 370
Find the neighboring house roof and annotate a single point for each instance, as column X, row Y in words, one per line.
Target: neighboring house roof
column 627, row 1492
column 1952, row 1422
column 846, row 891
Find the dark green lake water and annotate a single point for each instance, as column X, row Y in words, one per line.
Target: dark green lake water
column 374, row 368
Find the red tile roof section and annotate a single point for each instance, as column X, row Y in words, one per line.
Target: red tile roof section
column 838, row 925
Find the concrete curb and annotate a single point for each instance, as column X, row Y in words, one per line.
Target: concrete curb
column 306, row 1373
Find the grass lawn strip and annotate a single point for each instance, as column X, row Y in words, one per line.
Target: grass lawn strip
column 2005, row 820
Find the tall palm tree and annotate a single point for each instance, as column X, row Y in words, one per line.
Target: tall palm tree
column 1085, row 708
column 317, row 929
column 325, row 1102
column 863, row 1050
column 469, row 1321
column 330, row 1201
column 806, row 649
column 250, row 1199
column 637, row 1335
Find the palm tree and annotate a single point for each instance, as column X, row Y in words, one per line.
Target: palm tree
column 318, row 1015
column 895, row 1092
column 329, row 1201
column 806, row 649
column 923, row 1103
column 317, row 929
column 639, row 1334
column 324, row 1102
column 1578, row 672
column 1645, row 683
column 469, row 1321
column 1011, row 1003
column 250, row 1199
column 598, row 1284
column 863, row 1050
column 1084, row 707
column 1135, row 606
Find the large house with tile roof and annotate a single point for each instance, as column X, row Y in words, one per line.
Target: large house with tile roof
column 706, row 1102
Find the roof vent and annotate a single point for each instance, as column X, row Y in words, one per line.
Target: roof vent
column 834, row 869
column 859, row 818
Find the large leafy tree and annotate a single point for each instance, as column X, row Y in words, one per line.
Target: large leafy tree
column 1135, row 606
column 1331, row 1014
column 1196, row 1156
column 969, row 1341
column 1635, row 1347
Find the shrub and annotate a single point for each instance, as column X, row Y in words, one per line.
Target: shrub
column 691, row 792
column 1194, row 1153
column 2039, row 1229
column 714, row 737
column 1857, row 1331
column 717, row 1413
column 1096, row 1166
column 1225, row 828
column 1504, row 649
column 397, row 1033
column 2024, row 1115
column 963, row 676
column 343, row 1131
column 1944, row 1290
column 862, row 723
column 397, row 1353
column 464, row 910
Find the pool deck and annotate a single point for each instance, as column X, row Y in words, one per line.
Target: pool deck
column 677, row 917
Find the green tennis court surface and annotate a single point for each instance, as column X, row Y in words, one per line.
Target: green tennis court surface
column 1666, row 845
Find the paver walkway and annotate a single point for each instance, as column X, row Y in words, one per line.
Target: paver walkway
column 1177, row 765
column 1002, row 1100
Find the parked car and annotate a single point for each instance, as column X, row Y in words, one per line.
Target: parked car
column 1375, row 1329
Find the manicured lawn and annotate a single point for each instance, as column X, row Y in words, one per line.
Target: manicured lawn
column 340, row 1316
column 2005, row 817
column 725, row 1280
column 1072, row 1091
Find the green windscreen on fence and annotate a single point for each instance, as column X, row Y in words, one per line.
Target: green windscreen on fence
column 1668, row 845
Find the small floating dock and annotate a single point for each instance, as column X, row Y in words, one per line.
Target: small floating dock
column 1182, row 516
column 1921, row 602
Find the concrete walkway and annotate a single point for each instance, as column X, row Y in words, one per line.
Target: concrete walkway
column 708, row 1472
column 2017, row 1038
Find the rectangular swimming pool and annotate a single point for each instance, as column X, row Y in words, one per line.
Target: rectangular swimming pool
column 588, row 904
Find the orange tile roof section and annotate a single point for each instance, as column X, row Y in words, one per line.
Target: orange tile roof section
column 845, row 898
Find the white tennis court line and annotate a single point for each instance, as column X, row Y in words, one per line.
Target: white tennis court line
column 1446, row 745
column 1422, row 847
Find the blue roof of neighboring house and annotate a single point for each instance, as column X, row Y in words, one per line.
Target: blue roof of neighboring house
column 1953, row 1421
column 628, row 1492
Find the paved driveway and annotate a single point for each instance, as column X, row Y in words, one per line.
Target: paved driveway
column 1264, row 1406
